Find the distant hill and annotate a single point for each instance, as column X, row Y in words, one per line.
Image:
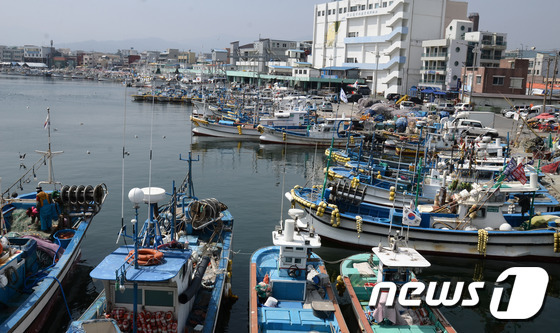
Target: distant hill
column 144, row 44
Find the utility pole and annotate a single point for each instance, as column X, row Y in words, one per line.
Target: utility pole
column 553, row 75
column 475, row 51
column 546, row 83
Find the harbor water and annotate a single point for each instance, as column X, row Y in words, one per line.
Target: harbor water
column 95, row 122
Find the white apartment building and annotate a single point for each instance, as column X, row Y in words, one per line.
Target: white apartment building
column 442, row 59
column 489, row 49
column 382, row 38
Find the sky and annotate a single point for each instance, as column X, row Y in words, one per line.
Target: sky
column 206, row 24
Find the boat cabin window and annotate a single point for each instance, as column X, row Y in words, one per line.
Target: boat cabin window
column 288, row 259
column 159, row 298
column 297, row 260
column 289, row 248
column 299, row 248
column 127, row 296
column 481, row 212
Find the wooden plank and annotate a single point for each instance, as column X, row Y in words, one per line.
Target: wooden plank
column 337, row 311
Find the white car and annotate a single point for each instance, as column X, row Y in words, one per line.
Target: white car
column 463, row 107
column 511, row 114
column 449, row 107
column 404, row 105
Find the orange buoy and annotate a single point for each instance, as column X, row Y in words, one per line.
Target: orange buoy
column 146, row 257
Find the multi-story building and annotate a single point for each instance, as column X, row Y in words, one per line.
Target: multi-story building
column 11, row 54
column 443, row 59
column 32, row 53
column 255, row 56
column 383, row 39
column 510, row 78
column 489, row 47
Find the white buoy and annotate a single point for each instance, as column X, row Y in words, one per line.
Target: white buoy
column 505, row 227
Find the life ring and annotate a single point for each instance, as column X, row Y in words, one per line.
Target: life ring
column 146, row 257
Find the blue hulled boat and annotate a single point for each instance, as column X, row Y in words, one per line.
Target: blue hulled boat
column 35, row 264
column 289, row 288
column 175, row 274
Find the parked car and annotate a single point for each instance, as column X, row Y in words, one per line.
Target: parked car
column 468, row 127
column 449, row 107
column 332, row 98
column 393, row 97
column 407, row 105
column 354, row 98
column 326, row 107
column 364, row 90
column 463, row 107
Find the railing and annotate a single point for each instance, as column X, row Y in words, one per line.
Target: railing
column 436, row 54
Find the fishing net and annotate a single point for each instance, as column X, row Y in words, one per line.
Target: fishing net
column 20, row 221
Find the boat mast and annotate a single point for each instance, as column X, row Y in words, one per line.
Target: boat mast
column 48, row 155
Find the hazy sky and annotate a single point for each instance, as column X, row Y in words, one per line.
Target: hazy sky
column 205, row 24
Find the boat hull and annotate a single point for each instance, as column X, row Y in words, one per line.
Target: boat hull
column 240, row 132
column 293, row 318
column 532, row 244
column 292, row 139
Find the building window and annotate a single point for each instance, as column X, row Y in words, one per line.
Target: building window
column 353, row 8
column 498, row 80
column 376, row 5
column 516, row 82
column 370, row 6
column 363, row 7
column 478, row 79
column 352, row 34
column 345, row 9
column 457, row 49
column 351, row 60
column 462, row 28
column 323, row 13
column 450, row 27
column 340, row 10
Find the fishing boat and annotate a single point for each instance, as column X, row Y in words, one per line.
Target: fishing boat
column 175, row 275
column 289, row 288
column 293, row 120
column 397, row 264
column 335, row 132
column 476, row 227
column 35, row 264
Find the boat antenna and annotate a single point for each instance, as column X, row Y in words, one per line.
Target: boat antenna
column 124, row 154
column 285, row 152
column 47, row 155
column 330, row 156
column 3, row 229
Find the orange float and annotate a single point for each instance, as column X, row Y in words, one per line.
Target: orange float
column 146, row 257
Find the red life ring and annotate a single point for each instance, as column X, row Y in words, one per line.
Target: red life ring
column 146, row 257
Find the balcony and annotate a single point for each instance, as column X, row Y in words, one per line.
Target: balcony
column 435, row 55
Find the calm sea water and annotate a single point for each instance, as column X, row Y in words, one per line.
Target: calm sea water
column 93, row 121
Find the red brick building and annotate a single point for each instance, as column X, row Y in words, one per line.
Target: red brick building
column 509, row 78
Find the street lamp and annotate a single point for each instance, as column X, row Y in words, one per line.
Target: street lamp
column 374, row 81
column 475, row 52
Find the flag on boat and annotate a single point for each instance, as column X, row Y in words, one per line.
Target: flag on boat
column 411, row 216
column 509, row 169
column 46, row 121
column 519, row 174
column 343, row 96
